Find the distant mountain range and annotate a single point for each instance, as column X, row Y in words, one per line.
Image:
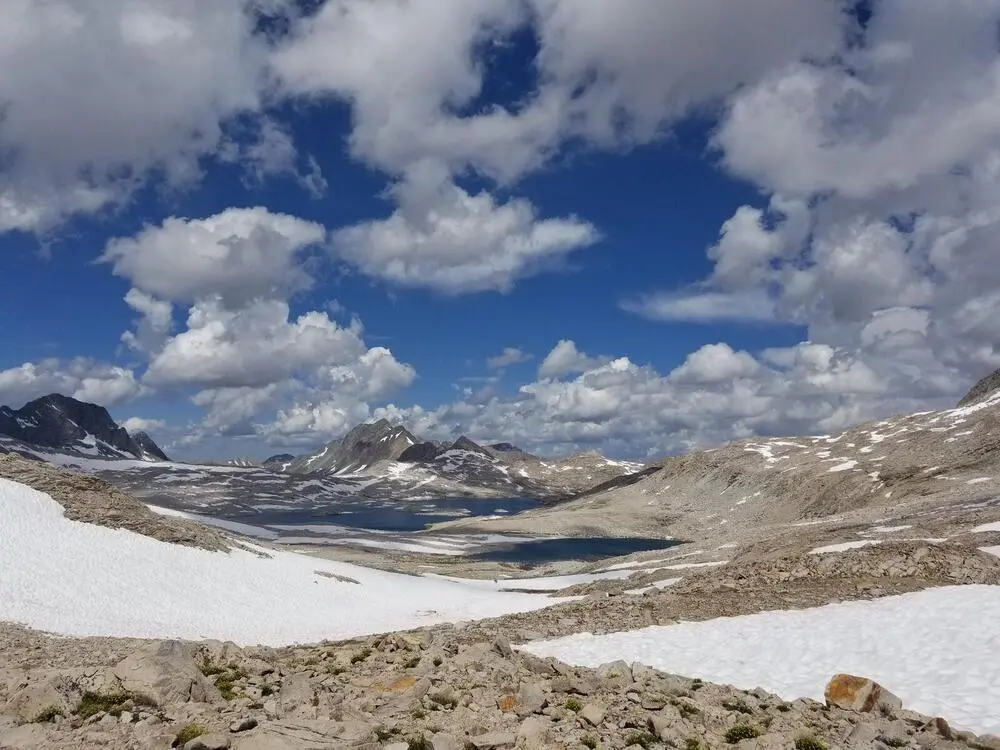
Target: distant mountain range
column 60, row 424
column 375, row 460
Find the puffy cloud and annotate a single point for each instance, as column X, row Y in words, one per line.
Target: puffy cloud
column 511, row 355
column 714, row 363
column 141, row 424
column 81, row 378
column 238, row 255
column 252, row 347
column 443, row 238
column 171, row 73
column 564, row 359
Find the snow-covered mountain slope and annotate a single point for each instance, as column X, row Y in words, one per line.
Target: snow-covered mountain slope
column 357, row 451
column 57, row 424
column 244, row 595
column 380, row 449
column 905, row 464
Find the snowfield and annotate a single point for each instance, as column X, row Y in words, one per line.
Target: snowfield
column 77, row 579
column 936, row 649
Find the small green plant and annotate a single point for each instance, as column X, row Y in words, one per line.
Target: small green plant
column 361, row 655
column 92, row 703
column 446, row 701
column 312, row 661
column 783, row 707
column 419, row 743
column 438, row 661
column 188, row 733
column 412, row 662
column 226, row 685
column 574, row 705
column 886, row 711
column 697, row 683
column 894, row 742
column 741, row 732
column 809, row 742
column 589, row 741
column 686, row 710
column 255, row 706
column 644, row 739
column 737, row 705
column 383, row 734
column 208, row 669
column 693, row 743
column 47, row 714
column 418, row 713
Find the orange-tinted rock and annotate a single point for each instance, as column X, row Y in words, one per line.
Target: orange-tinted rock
column 859, row 694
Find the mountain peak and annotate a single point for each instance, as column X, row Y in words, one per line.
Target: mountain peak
column 65, row 423
column 984, row 387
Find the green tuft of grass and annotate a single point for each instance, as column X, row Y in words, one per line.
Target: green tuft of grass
column 741, row 732
column 412, row 663
column 47, row 714
column 644, row 739
column 737, row 705
column 894, row 742
column 686, row 710
column 226, row 685
column 419, row 743
column 383, row 734
column 809, row 742
column 188, row 733
column 574, row 705
column 693, row 743
column 589, row 741
column 92, row 703
column 210, row 670
column 418, row 713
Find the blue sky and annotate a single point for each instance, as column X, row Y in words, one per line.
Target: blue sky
column 636, row 229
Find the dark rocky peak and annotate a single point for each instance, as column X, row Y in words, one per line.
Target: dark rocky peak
column 66, row 424
column 148, row 446
column 982, row 389
column 420, row 453
column 363, row 446
column 465, row 444
column 278, row 462
column 505, row 447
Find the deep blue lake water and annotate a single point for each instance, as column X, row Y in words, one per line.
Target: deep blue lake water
column 380, row 515
column 541, row 551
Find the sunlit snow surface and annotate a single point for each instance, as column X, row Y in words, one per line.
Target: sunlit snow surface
column 936, row 649
column 78, row 579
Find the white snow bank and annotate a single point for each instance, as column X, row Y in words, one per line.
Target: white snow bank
column 888, row 529
column 665, row 583
column 983, row 528
column 843, row 546
column 78, row 579
column 897, row 641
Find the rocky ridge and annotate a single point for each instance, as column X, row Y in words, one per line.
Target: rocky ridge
column 60, row 423
column 435, row 688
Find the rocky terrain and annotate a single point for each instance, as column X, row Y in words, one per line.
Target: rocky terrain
column 441, row 689
column 881, row 512
column 918, row 466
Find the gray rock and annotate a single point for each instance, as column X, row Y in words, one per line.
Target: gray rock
column 213, row 741
column 494, row 740
column 530, row 699
column 445, row 741
column 126, row 717
column 167, row 673
column 502, row 646
column 26, row 736
column 396, row 746
column 533, row 731
column 296, row 695
column 243, row 725
column 592, row 713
